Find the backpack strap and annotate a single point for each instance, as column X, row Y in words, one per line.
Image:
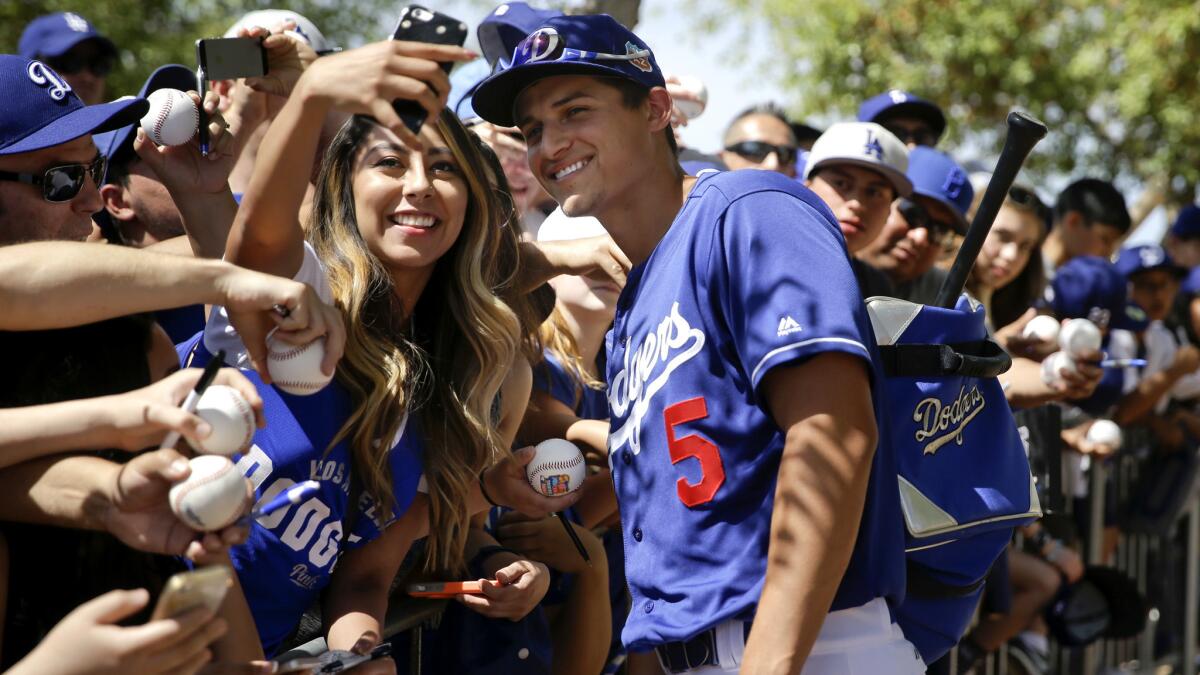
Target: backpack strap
column 923, row 584
column 982, row 358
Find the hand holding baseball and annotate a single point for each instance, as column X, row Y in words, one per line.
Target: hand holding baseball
column 180, row 166
column 89, row 641
column 136, row 509
column 508, row 484
column 257, row 303
column 141, row 418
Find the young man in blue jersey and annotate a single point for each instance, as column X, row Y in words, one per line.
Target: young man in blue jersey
column 761, row 524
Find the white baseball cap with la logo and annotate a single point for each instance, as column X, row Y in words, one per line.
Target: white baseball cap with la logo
column 864, row 144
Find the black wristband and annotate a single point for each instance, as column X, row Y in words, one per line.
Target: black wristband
column 476, row 564
column 483, row 489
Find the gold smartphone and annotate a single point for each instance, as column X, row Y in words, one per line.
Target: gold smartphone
column 204, row 587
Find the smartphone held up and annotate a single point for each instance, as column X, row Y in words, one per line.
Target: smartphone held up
column 420, row 24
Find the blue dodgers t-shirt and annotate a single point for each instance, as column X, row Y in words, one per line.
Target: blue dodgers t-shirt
column 752, row 275
column 290, row 554
column 551, row 377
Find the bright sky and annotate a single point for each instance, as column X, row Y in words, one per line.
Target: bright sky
column 724, row 61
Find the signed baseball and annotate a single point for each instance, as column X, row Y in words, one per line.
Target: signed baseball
column 1054, row 365
column 213, row 496
column 1042, row 328
column 557, row 468
column 231, row 418
column 172, row 118
column 1105, row 432
column 1079, row 337
column 296, row 369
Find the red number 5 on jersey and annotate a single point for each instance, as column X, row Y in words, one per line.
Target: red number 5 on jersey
column 712, row 471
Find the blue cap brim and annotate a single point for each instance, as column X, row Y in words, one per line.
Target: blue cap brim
column 923, row 110
column 92, row 119
column 496, row 96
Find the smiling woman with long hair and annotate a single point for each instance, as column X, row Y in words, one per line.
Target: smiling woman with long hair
column 404, row 237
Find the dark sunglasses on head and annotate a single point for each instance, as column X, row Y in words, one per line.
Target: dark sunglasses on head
column 917, row 136
column 758, row 151
column 61, row 183
column 70, row 64
column 940, row 232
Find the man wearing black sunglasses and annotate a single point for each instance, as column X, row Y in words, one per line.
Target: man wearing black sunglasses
column 761, row 138
column 49, row 166
column 73, row 47
column 923, row 226
column 911, row 118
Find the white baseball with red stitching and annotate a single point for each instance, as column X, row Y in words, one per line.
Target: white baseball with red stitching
column 297, row 369
column 557, row 468
column 231, row 418
column 213, row 496
column 172, row 118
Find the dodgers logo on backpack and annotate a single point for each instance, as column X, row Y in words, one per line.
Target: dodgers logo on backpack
column 43, row 76
column 964, row 475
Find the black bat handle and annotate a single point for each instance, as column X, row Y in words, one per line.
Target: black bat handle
column 1024, row 132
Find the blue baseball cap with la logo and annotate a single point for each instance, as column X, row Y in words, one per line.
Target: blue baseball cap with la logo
column 936, row 176
column 585, row 44
column 897, row 103
column 41, row 110
column 1148, row 257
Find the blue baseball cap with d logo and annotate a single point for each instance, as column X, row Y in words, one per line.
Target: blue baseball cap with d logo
column 41, row 110
column 936, row 176
column 587, row 44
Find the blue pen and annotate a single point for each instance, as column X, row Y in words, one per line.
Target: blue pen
column 292, row 495
column 1123, row 363
column 201, row 87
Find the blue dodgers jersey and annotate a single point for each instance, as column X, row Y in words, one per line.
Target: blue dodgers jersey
column 753, row 274
column 290, row 554
column 551, row 377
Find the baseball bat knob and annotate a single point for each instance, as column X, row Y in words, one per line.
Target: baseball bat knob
column 1028, row 124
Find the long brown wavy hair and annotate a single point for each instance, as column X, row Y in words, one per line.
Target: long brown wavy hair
column 444, row 361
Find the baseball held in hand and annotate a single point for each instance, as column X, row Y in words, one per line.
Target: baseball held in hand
column 213, row 496
column 172, row 119
column 1042, row 328
column 1079, row 337
column 1105, row 432
column 231, row 418
column 1055, row 365
column 557, row 468
column 296, row 369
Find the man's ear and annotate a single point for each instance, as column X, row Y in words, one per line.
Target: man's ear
column 659, row 107
column 116, row 202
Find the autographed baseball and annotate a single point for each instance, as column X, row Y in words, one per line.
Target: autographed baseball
column 1042, row 328
column 557, row 468
column 690, row 84
column 1106, row 432
column 1079, row 337
column 296, row 369
column 172, row 118
column 232, row 421
column 1054, row 365
column 213, row 496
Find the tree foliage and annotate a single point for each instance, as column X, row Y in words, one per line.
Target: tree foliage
column 150, row 33
column 1115, row 80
